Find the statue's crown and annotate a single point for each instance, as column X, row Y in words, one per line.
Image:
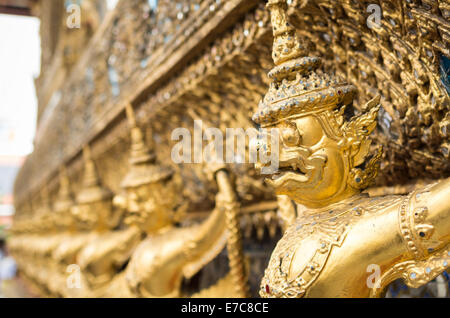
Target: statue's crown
column 298, row 87
column 92, row 190
column 64, row 200
column 143, row 166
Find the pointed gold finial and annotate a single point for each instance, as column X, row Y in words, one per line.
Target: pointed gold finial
column 140, row 152
column 90, row 173
column 92, row 190
column 130, row 115
column 286, row 44
column 298, row 88
column 64, row 201
column 143, row 168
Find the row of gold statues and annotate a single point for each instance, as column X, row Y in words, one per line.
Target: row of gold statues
column 83, row 232
column 336, row 236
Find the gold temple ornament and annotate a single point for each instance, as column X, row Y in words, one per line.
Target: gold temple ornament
column 358, row 119
column 327, row 250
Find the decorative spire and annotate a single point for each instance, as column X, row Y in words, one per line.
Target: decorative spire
column 298, row 87
column 64, row 201
column 92, row 190
column 286, row 44
column 143, row 167
column 90, row 173
column 140, row 153
column 64, row 188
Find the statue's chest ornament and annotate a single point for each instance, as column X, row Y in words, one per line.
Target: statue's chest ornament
column 302, row 253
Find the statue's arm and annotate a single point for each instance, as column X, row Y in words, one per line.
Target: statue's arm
column 209, row 238
column 424, row 225
column 408, row 239
column 429, row 217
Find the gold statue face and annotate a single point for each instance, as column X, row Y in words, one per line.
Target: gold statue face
column 92, row 215
column 150, row 206
column 310, row 160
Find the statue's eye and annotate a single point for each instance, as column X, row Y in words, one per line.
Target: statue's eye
column 291, row 136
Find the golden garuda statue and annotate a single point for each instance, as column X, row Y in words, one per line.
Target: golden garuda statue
column 340, row 235
column 160, row 254
column 125, row 220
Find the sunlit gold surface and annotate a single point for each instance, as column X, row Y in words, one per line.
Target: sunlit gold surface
column 328, row 249
column 355, row 107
